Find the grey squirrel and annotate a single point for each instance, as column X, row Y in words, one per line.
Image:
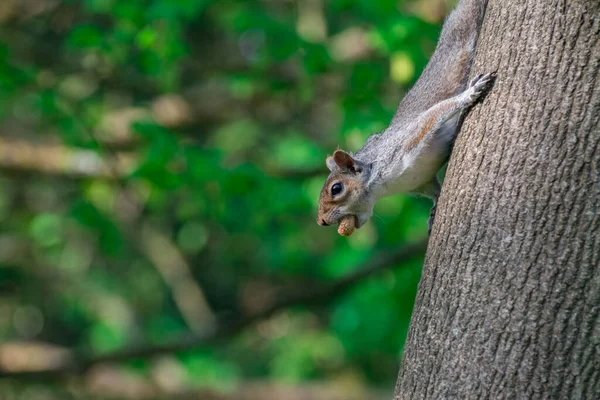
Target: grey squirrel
column 406, row 156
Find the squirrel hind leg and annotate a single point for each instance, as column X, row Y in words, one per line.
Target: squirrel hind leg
column 432, row 191
column 431, row 218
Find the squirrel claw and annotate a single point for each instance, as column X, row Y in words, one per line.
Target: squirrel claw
column 480, row 84
column 475, row 80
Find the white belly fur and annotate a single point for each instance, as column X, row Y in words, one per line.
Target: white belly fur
column 422, row 170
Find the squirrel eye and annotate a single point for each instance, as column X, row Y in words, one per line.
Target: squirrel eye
column 336, row 189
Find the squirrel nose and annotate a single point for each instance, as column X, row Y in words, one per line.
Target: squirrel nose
column 323, row 223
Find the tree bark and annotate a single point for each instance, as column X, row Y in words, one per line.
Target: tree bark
column 509, row 301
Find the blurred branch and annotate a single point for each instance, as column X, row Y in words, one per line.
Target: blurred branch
column 337, row 389
column 23, row 10
column 177, row 274
column 53, row 159
column 166, row 258
column 227, row 329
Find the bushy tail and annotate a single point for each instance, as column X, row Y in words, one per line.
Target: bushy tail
column 447, row 72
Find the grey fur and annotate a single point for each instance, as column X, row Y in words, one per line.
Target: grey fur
column 458, row 37
column 407, row 155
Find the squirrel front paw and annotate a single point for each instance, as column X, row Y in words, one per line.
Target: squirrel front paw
column 479, row 85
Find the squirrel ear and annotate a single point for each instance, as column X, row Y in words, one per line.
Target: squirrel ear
column 330, row 163
column 344, row 161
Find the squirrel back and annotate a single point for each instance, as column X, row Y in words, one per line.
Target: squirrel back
column 448, row 70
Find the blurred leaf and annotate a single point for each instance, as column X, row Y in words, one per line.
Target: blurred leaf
column 88, row 216
column 402, row 68
column 210, row 372
column 236, row 136
column 192, row 237
column 46, row 229
column 296, row 152
column 85, row 37
column 104, row 337
column 100, row 5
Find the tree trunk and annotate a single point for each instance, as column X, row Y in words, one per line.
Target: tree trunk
column 509, row 301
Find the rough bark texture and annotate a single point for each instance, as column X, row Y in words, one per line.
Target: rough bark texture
column 509, row 302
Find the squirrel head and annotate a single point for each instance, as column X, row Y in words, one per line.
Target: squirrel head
column 345, row 191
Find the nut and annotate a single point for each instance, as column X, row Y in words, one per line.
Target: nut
column 346, row 227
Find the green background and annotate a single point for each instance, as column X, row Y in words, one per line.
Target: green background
column 160, row 170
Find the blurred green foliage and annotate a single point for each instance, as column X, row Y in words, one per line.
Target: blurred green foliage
column 228, row 109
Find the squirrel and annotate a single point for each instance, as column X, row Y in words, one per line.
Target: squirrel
column 406, row 156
